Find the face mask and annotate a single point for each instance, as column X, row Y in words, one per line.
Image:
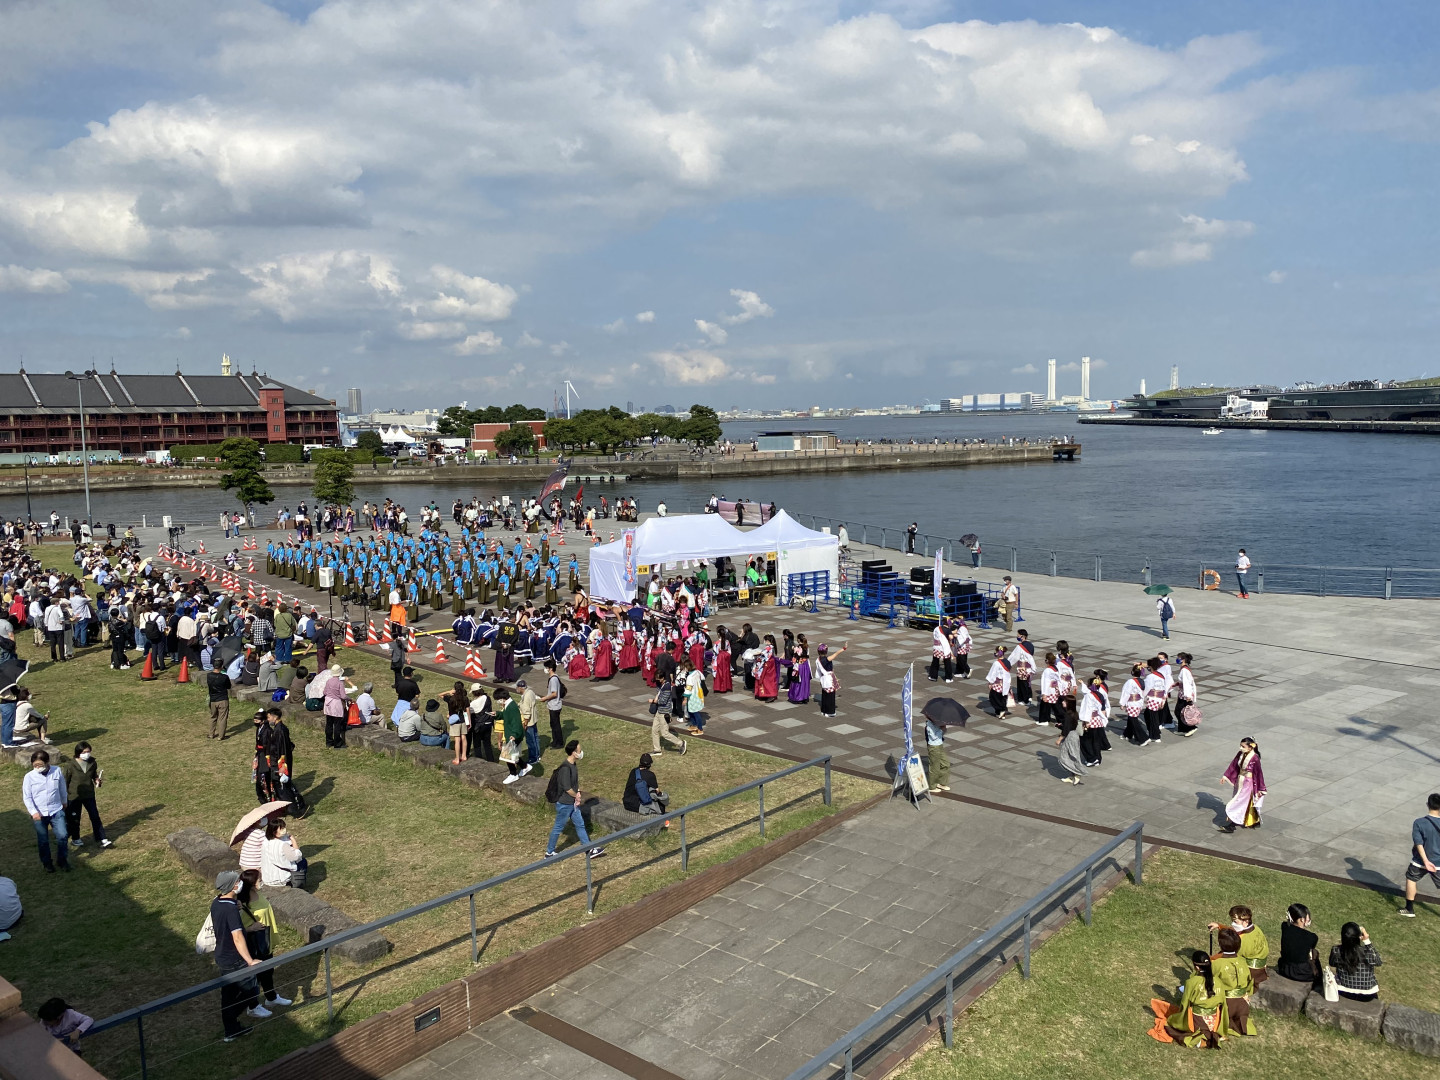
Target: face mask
column 579, row 754
column 40, row 767
column 85, row 756
column 1238, row 925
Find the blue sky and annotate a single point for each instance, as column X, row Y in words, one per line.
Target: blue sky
column 739, row 202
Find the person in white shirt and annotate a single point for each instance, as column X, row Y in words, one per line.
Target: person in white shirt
column 369, row 711
column 941, row 653
column 1242, row 566
column 281, row 862
column 1049, row 692
column 661, row 510
column 55, row 626
column 43, row 793
column 1165, row 606
column 1132, row 700
column 998, row 678
column 1094, row 712
column 1184, row 696
column 960, row 643
column 1157, row 701
column 30, row 723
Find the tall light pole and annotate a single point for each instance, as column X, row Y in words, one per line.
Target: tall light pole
column 84, row 456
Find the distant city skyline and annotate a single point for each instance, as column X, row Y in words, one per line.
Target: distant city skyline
column 830, row 202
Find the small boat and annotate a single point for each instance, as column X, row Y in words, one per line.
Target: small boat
column 1211, row 431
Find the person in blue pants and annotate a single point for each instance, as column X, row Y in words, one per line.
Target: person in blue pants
column 566, row 786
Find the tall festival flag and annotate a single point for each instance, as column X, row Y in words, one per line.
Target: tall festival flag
column 907, row 701
column 627, row 537
column 556, row 480
column 939, row 577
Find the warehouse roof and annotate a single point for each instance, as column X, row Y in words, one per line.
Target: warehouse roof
column 26, row 392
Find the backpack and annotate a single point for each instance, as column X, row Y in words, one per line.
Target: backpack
column 1168, row 610
column 153, row 633
column 552, row 789
column 642, row 789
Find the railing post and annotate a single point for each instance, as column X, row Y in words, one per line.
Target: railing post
column 1053, row 565
column 474, row 940
column 949, row 1030
column 1097, row 568
column 762, row 809
column 140, row 1031
column 1014, row 560
column 1149, row 578
column 1387, row 583
column 849, row 1063
column 1025, row 960
column 827, row 781
column 684, row 849
column 329, row 992
column 589, row 889
column 1139, row 856
column 1260, row 581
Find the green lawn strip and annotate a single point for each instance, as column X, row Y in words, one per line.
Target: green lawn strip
column 384, row 834
column 1084, row 1012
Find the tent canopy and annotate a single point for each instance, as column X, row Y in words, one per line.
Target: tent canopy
column 782, row 531
column 667, row 540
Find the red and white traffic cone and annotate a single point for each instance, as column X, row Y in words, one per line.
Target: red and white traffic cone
column 412, row 643
column 349, row 635
column 264, row 596
column 385, row 638
column 371, row 638
column 473, row 668
column 440, row 657
column 250, row 590
column 202, row 547
column 251, row 568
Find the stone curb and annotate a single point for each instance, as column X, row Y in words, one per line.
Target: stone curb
column 1399, row 1025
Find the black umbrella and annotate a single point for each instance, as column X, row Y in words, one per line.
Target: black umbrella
column 945, row 712
column 12, row 670
column 230, row 647
column 969, row 539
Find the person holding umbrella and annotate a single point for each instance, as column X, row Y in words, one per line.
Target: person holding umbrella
column 1165, row 605
column 971, row 541
column 941, row 713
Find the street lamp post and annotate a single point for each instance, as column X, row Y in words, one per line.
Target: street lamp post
column 29, row 514
column 84, row 456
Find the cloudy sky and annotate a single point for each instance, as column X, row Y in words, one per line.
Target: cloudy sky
column 741, row 202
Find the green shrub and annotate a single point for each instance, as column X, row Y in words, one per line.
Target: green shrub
column 284, row 453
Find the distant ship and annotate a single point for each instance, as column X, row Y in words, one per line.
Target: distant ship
column 1352, row 401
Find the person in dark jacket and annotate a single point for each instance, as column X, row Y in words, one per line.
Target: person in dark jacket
column 82, row 780
column 642, row 782
column 1299, row 956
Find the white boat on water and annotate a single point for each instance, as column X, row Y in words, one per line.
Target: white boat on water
column 1212, row 431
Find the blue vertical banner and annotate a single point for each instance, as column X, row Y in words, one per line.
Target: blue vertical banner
column 939, row 576
column 907, row 701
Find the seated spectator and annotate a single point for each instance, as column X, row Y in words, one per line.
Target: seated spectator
column 30, row 723
column 286, row 674
column 10, row 907
column 299, row 680
column 250, row 668
column 281, row 862
column 60, row 1020
column 434, row 725
column 642, row 791
column 1355, row 961
column 365, row 704
column 265, row 677
column 407, row 725
column 1197, row 1020
column 1233, row 978
column 315, row 691
column 1299, row 957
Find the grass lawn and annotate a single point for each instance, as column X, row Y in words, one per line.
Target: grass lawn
column 382, row 835
column 1084, row 1011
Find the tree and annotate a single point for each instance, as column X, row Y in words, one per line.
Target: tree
column 703, row 427
column 371, row 441
column 518, row 440
column 333, row 475
column 456, row 422
column 242, row 457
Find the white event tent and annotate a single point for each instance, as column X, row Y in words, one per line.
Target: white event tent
column 664, row 541
column 798, row 550
column 695, row 537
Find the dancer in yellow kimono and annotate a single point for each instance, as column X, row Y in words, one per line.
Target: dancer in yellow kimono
column 1234, row 979
column 1254, row 948
column 1198, row 1019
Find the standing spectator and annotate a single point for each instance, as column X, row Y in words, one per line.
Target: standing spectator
column 9, row 702
column 530, row 711
column 80, row 615
column 482, row 722
column 939, row 759
column 1009, row 603
column 1166, row 608
column 232, row 953
column 337, row 707
column 642, row 791
column 566, row 785
column 55, row 627
column 44, row 795
column 261, row 926
column 397, row 657
column 513, row 728
column 1242, row 567
column 281, row 862
column 217, row 686
column 694, row 691
column 1424, row 852
column 660, row 716
column 554, row 700
column 83, row 777
column 975, row 553
column 910, row 537
column 65, row 1023
column 1355, row 961
column 284, row 634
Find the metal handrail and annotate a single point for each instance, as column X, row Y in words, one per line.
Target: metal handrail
column 844, row 1047
column 136, row 1014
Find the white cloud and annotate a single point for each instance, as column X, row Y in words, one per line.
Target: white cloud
column 480, row 342
column 527, row 340
column 162, row 290
column 1027, row 369
column 431, row 331
column 690, row 367
column 1276, row 277
column 645, row 317
column 751, row 307
column 717, row 334
column 466, row 297
column 20, row 279
column 560, row 348
column 180, row 333
column 1096, row 364
column 1191, row 242
column 616, row 327
column 316, row 284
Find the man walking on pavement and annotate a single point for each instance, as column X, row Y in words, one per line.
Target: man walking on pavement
column 1424, row 853
column 1242, row 565
column 1009, row 602
column 566, row 785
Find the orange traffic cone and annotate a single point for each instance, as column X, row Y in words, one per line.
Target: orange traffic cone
column 250, row 592
column 349, row 635
column 251, row 568
column 440, row 657
column 184, row 675
column 561, row 541
column 473, row 668
column 385, row 638
column 147, row 673
column 371, row 638
column 264, row 596
column 202, row 547
column 411, row 643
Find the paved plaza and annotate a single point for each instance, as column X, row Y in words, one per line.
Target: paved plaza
column 758, row 979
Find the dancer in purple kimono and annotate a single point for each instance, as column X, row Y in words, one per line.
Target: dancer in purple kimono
column 799, row 691
column 1249, row 779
